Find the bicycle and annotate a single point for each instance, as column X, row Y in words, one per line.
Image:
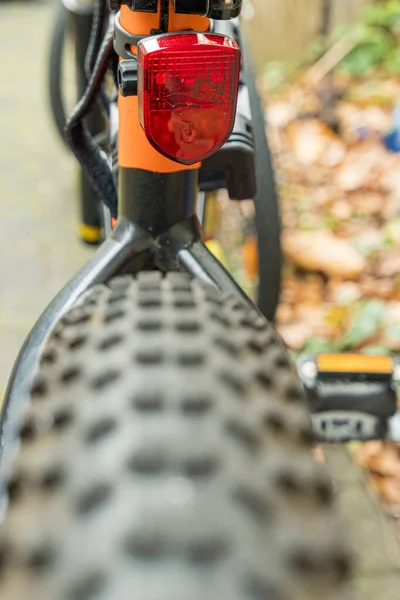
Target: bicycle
column 155, row 441
column 237, row 168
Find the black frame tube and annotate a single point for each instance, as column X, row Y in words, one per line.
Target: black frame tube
column 157, row 201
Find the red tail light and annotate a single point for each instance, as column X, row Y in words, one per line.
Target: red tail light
column 188, row 85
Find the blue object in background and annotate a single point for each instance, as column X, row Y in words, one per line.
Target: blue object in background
column 392, row 140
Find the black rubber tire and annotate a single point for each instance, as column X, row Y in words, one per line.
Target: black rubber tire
column 165, row 455
column 266, row 202
column 57, row 44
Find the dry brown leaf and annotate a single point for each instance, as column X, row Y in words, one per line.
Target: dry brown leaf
column 350, row 229
column 322, row 251
column 380, row 457
column 382, row 289
column 334, row 154
column 309, row 140
column 368, row 202
column 370, row 238
column 376, row 119
column 315, row 317
column 389, row 265
column 344, row 293
column 325, row 196
column 309, row 320
column 368, row 451
column 341, row 210
column 284, row 314
column 390, row 490
column 391, row 342
column 318, row 454
column 392, row 208
column 281, row 113
column 305, row 289
column 295, row 335
column 393, row 312
column 390, row 180
column 359, row 168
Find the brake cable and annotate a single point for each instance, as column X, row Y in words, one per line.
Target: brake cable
column 92, row 160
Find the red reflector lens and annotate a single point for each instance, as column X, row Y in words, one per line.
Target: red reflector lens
column 188, row 85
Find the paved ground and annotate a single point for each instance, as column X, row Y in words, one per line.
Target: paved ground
column 39, row 252
column 38, row 248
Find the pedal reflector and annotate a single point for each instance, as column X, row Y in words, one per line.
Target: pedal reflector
column 354, row 364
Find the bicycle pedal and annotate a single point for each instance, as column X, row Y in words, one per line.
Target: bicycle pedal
column 351, row 396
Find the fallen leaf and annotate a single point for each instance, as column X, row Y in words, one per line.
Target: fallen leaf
column 382, row 289
column 393, row 312
column 350, row 229
column 365, row 325
column 295, row 335
column 358, row 169
column 318, row 454
column 368, row 240
column 389, row 265
column 368, row 202
column 281, row 113
column 325, row 196
column 345, row 293
column 382, row 459
column 392, row 209
column 391, row 340
column 298, row 290
column 308, row 140
column 390, row 181
column 322, row 251
column 341, row 210
column 376, row 119
column 334, row 154
column 338, row 315
column 390, row 491
column 367, row 451
column 284, row 314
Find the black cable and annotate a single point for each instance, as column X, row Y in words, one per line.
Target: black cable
column 93, row 162
column 96, row 35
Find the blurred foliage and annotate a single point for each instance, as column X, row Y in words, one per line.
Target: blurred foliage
column 377, row 39
column 339, row 185
column 364, row 320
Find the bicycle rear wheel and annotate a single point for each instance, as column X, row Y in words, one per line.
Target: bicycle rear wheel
column 166, row 456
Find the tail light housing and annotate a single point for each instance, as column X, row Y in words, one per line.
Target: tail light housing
column 187, row 87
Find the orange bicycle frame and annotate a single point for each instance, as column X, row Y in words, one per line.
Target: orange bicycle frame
column 135, row 151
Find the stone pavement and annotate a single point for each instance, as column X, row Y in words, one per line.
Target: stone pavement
column 39, row 252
